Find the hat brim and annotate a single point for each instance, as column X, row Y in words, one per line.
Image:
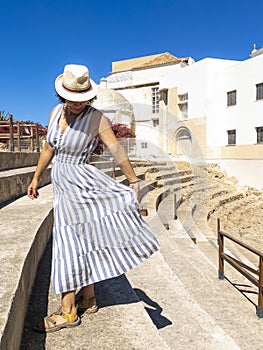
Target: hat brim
column 75, row 96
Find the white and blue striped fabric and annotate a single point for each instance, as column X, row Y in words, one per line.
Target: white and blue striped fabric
column 98, row 230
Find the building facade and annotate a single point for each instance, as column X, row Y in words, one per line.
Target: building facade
column 209, row 110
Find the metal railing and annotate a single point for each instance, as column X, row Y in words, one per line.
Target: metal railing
column 254, row 276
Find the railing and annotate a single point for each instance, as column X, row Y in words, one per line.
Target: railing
column 14, row 132
column 244, row 269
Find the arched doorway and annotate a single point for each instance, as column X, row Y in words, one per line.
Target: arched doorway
column 183, row 139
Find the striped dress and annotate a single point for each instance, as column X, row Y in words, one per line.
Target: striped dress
column 98, row 231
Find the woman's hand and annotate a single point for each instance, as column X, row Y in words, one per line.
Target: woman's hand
column 32, row 191
column 136, row 188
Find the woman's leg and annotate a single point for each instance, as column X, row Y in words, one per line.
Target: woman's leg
column 88, row 291
column 67, row 306
column 68, row 302
column 87, row 303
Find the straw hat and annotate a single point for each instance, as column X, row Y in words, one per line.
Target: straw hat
column 75, row 84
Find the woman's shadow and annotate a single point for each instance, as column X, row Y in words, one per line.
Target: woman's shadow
column 153, row 309
column 116, row 291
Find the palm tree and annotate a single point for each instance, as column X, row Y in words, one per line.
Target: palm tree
column 3, row 115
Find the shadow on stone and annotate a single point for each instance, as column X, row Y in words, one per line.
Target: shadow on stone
column 154, row 310
column 113, row 291
column 38, row 304
column 246, row 290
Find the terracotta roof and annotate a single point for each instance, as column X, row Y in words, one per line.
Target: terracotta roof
column 161, row 59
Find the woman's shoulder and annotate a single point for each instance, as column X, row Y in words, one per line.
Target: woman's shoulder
column 55, row 111
column 95, row 120
column 94, row 111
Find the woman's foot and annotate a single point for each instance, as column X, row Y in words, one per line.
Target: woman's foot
column 58, row 320
column 87, row 306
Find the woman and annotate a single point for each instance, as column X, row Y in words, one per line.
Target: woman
column 98, row 231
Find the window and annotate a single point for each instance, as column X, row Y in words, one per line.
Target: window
column 155, row 99
column 259, row 134
column 183, row 105
column 231, row 98
column 164, row 96
column 183, row 97
column 155, row 122
column 259, row 91
column 231, row 137
column 144, row 144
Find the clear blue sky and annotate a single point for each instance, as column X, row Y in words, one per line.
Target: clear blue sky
column 39, row 37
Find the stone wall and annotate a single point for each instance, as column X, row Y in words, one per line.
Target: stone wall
column 14, row 160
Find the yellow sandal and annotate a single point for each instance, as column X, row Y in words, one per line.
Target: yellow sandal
column 51, row 324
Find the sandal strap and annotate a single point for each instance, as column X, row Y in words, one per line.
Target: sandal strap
column 86, row 304
column 68, row 317
column 49, row 321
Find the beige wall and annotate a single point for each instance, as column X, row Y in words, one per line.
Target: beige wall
column 242, row 151
column 173, row 101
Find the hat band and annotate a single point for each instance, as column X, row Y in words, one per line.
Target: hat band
column 74, row 90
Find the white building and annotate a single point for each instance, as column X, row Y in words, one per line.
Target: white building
column 207, row 110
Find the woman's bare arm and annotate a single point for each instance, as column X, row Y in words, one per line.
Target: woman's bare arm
column 45, row 158
column 120, row 156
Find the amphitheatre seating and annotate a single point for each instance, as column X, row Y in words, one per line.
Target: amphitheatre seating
column 182, row 281
column 192, row 205
column 193, row 211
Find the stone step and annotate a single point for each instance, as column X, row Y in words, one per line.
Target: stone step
column 147, row 163
column 176, row 180
column 176, row 173
column 197, row 206
column 162, row 168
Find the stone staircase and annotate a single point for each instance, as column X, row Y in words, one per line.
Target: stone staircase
column 174, row 300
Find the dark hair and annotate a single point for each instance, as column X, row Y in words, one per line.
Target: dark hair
column 63, row 100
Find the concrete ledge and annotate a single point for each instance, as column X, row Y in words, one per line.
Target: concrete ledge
column 13, row 160
column 14, row 183
column 25, row 229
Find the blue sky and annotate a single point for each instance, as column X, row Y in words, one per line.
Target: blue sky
column 39, row 37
